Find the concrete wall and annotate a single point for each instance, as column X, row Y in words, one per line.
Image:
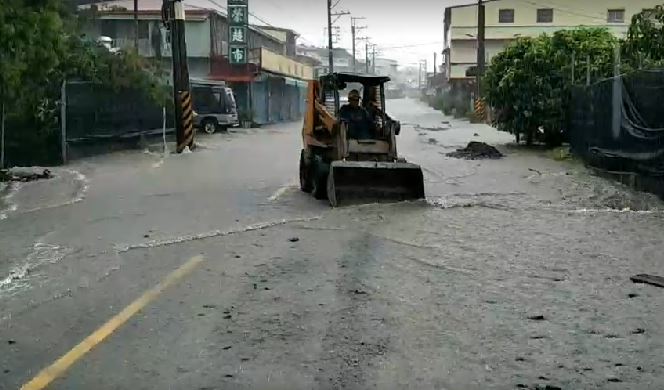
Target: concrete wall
column 206, row 35
column 121, row 29
column 465, row 52
column 278, row 63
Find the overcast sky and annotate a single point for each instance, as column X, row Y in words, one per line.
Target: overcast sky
column 390, row 23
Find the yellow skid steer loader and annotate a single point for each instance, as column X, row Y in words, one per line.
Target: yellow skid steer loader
column 350, row 167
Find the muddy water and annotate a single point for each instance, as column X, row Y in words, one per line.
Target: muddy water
column 497, row 292
column 513, row 272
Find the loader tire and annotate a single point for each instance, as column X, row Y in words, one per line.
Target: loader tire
column 320, row 172
column 306, row 184
column 331, row 194
column 320, row 187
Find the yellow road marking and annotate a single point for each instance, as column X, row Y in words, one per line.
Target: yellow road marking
column 50, row 373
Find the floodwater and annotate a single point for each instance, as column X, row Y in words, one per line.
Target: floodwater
column 514, row 273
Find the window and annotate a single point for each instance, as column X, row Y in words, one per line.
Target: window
column 545, row 15
column 616, row 16
column 506, row 16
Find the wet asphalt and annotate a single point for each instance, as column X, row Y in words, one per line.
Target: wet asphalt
column 513, row 274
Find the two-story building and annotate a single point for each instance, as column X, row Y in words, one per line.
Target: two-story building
column 343, row 60
column 270, row 88
column 386, row 67
column 506, row 20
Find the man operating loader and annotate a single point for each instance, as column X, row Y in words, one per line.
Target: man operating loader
column 360, row 124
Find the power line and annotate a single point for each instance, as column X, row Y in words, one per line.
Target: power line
column 564, row 10
column 411, row 45
column 250, row 13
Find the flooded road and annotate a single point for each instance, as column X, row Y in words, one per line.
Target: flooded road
column 514, row 273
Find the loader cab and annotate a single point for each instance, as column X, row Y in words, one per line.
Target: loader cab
column 335, row 88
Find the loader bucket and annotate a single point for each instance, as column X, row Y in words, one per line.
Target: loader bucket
column 355, row 182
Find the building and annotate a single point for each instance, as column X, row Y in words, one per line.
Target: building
column 270, row 88
column 287, row 37
column 386, row 67
column 507, row 20
column 343, row 61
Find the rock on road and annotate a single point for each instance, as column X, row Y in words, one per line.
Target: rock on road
column 513, row 274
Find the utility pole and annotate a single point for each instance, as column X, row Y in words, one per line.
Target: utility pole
column 426, row 73
column 353, row 30
column 184, row 114
column 435, row 62
column 366, row 57
column 481, row 24
column 136, row 25
column 330, row 54
column 330, row 23
column 2, row 133
column 373, row 59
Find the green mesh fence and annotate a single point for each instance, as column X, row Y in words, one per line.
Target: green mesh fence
column 96, row 112
column 618, row 124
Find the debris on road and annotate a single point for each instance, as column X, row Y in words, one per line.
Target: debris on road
column 294, row 239
column 536, row 318
column 418, row 127
column 24, row 174
column 632, row 295
column 639, row 331
column 477, row 151
column 653, row 280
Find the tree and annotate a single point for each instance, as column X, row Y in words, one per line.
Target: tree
column 40, row 47
column 529, row 83
column 644, row 44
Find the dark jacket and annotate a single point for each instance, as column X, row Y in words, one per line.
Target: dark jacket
column 360, row 124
